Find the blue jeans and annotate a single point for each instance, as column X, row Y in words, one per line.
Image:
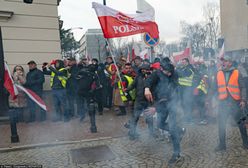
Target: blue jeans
column 60, row 102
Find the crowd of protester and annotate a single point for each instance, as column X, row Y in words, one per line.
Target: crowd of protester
column 140, row 87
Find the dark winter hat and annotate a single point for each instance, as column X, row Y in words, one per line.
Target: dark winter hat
column 145, row 66
column 71, row 59
column 166, row 60
column 157, row 60
column 168, row 67
column 31, row 62
column 147, row 60
column 94, row 59
column 138, row 58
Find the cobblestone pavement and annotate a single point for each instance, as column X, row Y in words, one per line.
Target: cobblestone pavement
column 108, row 125
column 197, row 150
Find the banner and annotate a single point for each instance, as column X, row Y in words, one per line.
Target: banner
column 117, row 24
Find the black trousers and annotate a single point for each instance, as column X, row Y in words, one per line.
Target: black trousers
column 86, row 105
column 230, row 107
column 167, row 109
column 139, row 107
column 99, row 100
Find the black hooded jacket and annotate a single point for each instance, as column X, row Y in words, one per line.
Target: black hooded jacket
column 162, row 86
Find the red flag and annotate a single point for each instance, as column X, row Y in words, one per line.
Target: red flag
column 133, row 54
column 128, row 57
column 9, row 83
column 180, row 55
column 33, row 96
column 117, row 24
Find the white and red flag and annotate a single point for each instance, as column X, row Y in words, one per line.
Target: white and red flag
column 117, row 24
column 13, row 89
column 222, row 52
column 144, row 54
column 9, row 83
column 220, row 56
column 33, row 96
column 177, row 56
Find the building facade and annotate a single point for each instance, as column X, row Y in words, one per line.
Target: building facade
column 30, row 32
column 234, row 27
column 93, row 45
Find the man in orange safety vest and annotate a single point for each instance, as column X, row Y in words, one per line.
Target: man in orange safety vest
column 231, row 95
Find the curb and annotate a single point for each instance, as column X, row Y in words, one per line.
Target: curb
column 48, row 144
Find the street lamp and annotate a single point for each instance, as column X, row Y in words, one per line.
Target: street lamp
column 73, row 28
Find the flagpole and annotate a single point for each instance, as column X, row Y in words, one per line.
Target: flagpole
column 111, row 53
column 4, row 98
column 128, row 52
column 3, row 105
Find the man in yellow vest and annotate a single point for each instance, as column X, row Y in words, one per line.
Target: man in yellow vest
column 200, row 93
column 185, row 80
column 231, row 95
column 58, row 81
column 123, row 97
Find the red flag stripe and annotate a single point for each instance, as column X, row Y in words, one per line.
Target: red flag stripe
column 9, row 83
column 180, row 55
column 33, row 96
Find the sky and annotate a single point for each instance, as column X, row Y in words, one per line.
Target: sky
column 168, row 14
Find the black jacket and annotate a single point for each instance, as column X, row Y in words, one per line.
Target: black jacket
column 139, row 86
column 85, row 80
column 162, row 86
column 72, row 84
column 34, row 80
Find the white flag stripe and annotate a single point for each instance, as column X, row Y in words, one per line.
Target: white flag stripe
column 102, row 10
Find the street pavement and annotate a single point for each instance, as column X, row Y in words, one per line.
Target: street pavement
column 147, row 152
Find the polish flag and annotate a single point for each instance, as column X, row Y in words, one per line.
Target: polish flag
column 13, row 89
column 144, row 54
column 133, row 54
column 177, row 56
column 117, row 24
column 9, row 83
column 128, row 55
column 33, row 96
column 222, row 52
